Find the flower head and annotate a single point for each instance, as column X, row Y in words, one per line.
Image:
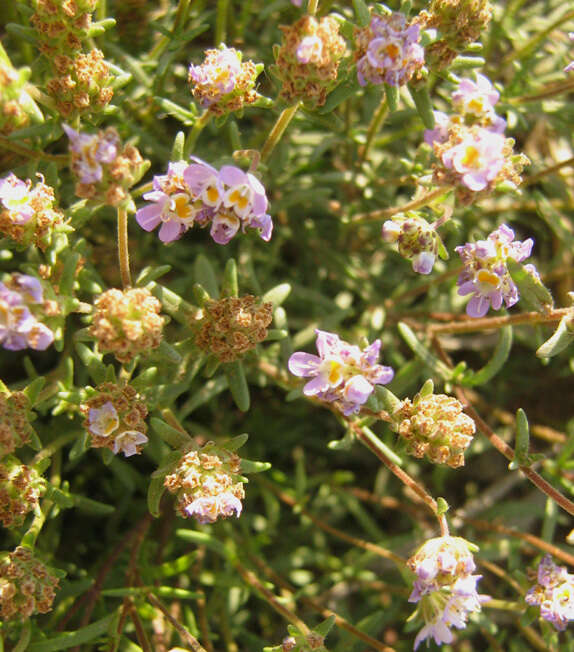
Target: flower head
column 342, row 373
column 417, row 240
column 388, row 51
column 15, row 427
column 485, row 274
column 115, row 419
column 232, row 326
column 27, row 585
column 228, row 201
column 553, row 593
column 308, row 59
column 207, row 484
column 434, row 425
column 21, row 487
column 445, row 587
column 127, row 322
column 223, row 82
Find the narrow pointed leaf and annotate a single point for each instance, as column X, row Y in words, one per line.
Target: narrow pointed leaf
column 235, row 375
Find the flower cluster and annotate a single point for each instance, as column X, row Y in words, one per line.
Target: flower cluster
column 417, row 240
column 207, row 484
column 223, row 82
column 104, row 169
column 115, row 419
column 485, row 274
column 342, row 373
column 445, row 587
column 459, row 22
column 553, row 593
column 21, row 299
column 16, row 106
column 388, row 51
column 27, row 585
column 434, row 425
column 471, row 146
column 21, row 487
column 308, row 59
column 196, row 193
column 127, row 322
column 28, row 214
column 15, row 428
column 232, row 326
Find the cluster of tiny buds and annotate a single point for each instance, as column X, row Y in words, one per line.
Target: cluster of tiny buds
column 127, row 322
column 62, row 25
column 27, row 585
column 115, row 419
column 308, row 59
column 104, row 169
column 223, row 82
column 417, row 240
column 28, row 215
column 15, row 428
column 21, row 487
column 459, row 23
column 13, row 97
column 434, row 425
column 207, row 484
column 232, row 326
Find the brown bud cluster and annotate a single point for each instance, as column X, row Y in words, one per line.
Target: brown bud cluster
column 15, row 428
column 232, row 326
column 308, row 59
column 207, row 485
column 115, row 419
column 127, row 322
column 434, row 425
column 62, row 25
column 13, row 114
column 459, row 22
column 27, row 585
column 37, row 230
column 21, row 487
column 82, row 83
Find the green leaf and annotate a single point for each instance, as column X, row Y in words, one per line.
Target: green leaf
column 532, row 291
column 343, row 444
column 250, row 466
column 185, row 116
column 277, row 295
column 561, row 338
column 362, row 12
column 442, row 506
column 201, row 539
column 495, row 364
column 154, row 494
column 389, row 400
column 236, row 443
column 346, row 89
column 522, row 441
column 80, row 446
column 34, row 388
column 172, row 436
column 235, row 375
column 423, row 104
column 67, row 640
column 209, row 390
column 177, row 147
column 230, row 287
column 392, row 93
column 423, row 353
column 145, row 379
column 325, row 627
column 204, row 274
column 149, row 274
column 173, row 304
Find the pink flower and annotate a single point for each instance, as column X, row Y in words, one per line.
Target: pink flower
column 92, row 151
column 341, row 373
column 128, row 442
column 309, row 50
column 554, row 593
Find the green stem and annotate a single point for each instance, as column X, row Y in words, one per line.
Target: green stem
column 193, row 135
column 123, row 251
column 312, row 7
column 373, row 216
column 277, row 132
column 221, row 21
column 10, row 145
column 376, row 122
column 550, row 91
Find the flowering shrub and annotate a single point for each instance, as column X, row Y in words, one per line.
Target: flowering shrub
column 286, row 323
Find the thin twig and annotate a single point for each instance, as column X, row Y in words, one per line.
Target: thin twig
column 374, row 216
column 185, row 635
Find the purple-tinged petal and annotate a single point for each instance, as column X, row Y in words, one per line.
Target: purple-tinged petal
column 232, row 176
column 304, row 364
column 149, row 217
column 478, row 306
column 171, row 231
column 40, row 337
column 316, row 386
column 357, row 390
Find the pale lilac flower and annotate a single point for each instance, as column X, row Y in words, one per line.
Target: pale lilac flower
column 341, row 373
column 92, row 151
column 310, row 50
column 485, row 274
column 478, row 159
column 15, row 196
column 128, row 441
column 554, row 593
column 477, row 100
column 440, row 132
column 444, row 587
column 19, row 328
column 393, row 53
column 103, row 420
